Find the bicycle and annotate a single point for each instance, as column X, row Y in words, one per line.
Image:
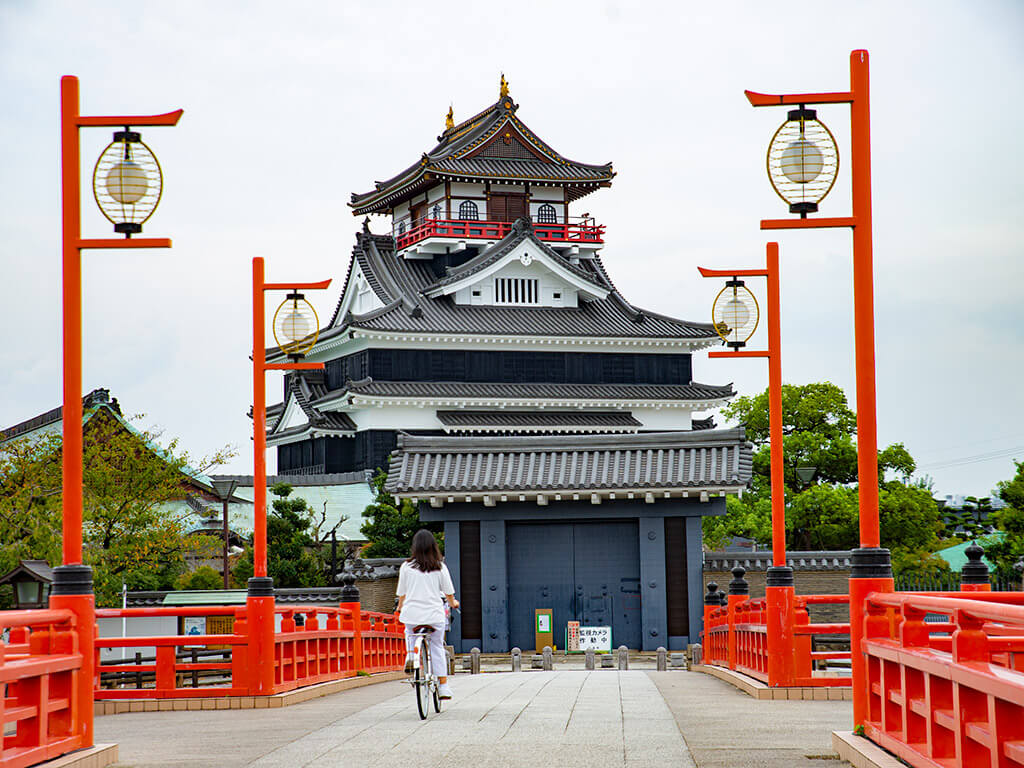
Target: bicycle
column 424, row 681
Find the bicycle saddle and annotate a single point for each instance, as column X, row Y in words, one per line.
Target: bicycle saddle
column 424, row 629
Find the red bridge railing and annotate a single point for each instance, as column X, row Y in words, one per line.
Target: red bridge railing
column 946, row 693
column 736, row 637
column 333, row 643
column 39, row 666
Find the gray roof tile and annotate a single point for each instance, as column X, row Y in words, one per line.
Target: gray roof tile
column 508, row 391
column 472, row 421
column 719, row 460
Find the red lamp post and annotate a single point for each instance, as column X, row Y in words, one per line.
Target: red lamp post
column 260, row 598
column 871, row 569
column 779, row 590
column 127, row 192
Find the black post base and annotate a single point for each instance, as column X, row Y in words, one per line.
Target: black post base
column 261, row 586
column 870, row 563
column 72, row 580
column 779, row 576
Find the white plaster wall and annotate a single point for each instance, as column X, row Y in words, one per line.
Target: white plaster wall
column 669, row 419
column 397, row 417
column 547, row 194
column 135, row 626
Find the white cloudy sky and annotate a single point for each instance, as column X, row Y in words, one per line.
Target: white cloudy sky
column 290, row 107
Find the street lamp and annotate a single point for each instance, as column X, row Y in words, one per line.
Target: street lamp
column 803, row 161
column 127, row 182
column 72, row 581
column 295, row 329
column 736, row 323
column 224, row 490
column 871, row 564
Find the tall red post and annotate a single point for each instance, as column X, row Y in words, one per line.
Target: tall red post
column 72, row 581
column 260, row 597
column 871, row 569
column 780, row 590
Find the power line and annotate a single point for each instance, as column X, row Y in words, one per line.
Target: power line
column 975, row 459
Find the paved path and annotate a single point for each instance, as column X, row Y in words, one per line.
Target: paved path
column 600, row 719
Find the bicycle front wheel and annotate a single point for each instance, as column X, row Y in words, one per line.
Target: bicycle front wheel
column 421, row 681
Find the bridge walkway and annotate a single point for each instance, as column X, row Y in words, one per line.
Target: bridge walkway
column 598, row 719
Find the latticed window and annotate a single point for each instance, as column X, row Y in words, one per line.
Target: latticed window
column 547, row 214
column 401, row 227
column 468, row 211
column 516, row 290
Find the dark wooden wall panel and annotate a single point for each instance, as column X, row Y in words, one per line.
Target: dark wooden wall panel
column 676, row 595
column 469, row 566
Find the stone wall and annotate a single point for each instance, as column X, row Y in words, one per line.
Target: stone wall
column 815, row 573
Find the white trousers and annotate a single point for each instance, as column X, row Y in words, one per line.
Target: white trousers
column 438, row 658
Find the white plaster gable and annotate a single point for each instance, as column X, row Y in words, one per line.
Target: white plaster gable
column 293, row 416
column 558, row 286
column 359, row 297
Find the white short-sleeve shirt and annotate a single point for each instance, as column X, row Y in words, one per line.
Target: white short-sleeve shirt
column 423, row 594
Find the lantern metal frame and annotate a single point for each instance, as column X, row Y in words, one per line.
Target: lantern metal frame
column 297, row 348
column 803, row 197
column 736, row 290
column 127, row 218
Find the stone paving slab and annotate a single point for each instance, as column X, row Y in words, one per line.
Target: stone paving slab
column 603, row 719
column 725, row 728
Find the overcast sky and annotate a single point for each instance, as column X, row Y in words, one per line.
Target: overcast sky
column 290, row 107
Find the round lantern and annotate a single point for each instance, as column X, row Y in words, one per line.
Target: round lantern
column 296, row 325
column 127, row 182
column 803, row 161
column 735, row 314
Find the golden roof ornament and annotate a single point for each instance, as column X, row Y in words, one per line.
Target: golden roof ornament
column 449, row 120
column 503, row 91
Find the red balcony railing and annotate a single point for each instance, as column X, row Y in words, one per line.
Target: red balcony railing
column 575, row 232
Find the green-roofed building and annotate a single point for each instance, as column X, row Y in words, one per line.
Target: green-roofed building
column 956, row 556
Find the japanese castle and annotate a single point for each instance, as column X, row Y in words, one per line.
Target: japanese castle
column 481, row 354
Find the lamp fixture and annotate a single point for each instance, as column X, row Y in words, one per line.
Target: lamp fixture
column 296, row 326
column 127, row 182
column 803, row 161
column 735, row 313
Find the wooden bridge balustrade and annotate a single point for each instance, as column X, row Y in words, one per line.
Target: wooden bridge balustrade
column 39, row 676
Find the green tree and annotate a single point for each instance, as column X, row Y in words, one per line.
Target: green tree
column 1005, row 552
column 819, row 430
column 203, row 577
column 134, row 521
column 389, row 527
column 292, row 556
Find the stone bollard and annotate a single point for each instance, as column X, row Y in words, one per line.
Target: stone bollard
column 588, row 658
column 623, row 657
column 536, row 661
column 474, row 660
column 696, row 654
column 662, row 659
column 607, row 661
column 546, row 656
column 517, row 660
column 678, row 661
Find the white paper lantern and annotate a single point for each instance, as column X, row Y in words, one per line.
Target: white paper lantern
column 802, row 161
column 127, row 182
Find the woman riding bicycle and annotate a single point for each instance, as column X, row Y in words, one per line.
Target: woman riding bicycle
column 422, row 580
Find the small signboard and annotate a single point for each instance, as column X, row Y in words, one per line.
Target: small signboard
column 596, row 638
column 544, row 628
column 572, row 636
column 193, row 625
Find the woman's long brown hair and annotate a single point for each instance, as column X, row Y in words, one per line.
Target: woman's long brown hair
column 426, row 555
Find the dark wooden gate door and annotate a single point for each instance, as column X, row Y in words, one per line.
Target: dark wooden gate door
column 586, row 572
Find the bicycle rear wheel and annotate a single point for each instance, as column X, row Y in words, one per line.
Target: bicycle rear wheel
column 421, row 680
